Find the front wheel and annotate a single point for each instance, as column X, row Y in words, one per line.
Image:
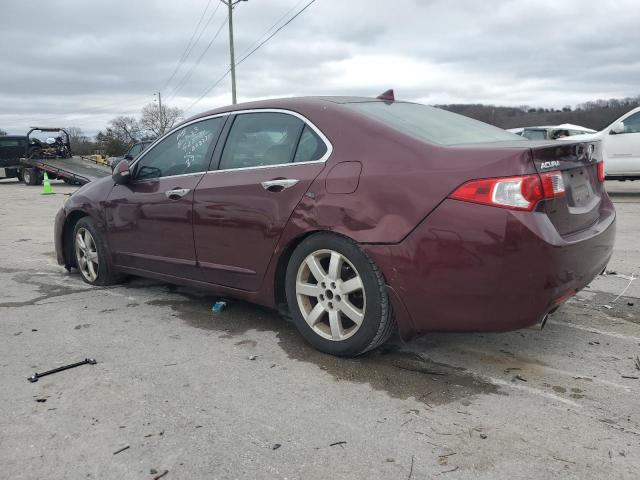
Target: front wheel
column 91, row 255
column 337, row 296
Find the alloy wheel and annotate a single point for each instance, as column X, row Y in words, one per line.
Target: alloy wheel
column 87, row 254
column 330, row 294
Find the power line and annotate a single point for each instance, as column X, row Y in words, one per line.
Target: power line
column 212, row 86
column 271, row 27
column 190, row 46
column 186, row 48
column 195, row 65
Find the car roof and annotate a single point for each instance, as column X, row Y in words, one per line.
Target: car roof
column 291, row 103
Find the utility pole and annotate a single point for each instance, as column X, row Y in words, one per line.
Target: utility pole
column 230, row 4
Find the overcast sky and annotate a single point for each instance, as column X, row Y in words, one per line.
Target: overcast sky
column 80, row 63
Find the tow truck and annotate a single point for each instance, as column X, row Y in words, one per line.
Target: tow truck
column 54, row 156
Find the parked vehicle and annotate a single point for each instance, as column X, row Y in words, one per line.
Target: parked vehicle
column 54, row 156
column 12, row 147
column 130, row 154
column 621, row 146
column 553, row 132
column 358, row 214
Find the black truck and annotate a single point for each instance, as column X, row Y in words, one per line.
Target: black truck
column 27, row 158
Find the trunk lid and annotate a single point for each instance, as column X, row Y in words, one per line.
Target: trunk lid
column 579, row 207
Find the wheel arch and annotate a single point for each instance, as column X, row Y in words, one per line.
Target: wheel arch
column 67, row 235
column 280, row 298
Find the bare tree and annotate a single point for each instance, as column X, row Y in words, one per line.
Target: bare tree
column 2, row 133
column 156, row 122
column 126, row 129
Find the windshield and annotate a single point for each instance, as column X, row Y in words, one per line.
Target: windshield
column 433, row 125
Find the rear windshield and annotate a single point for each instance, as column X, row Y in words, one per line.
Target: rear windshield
column 433, row 125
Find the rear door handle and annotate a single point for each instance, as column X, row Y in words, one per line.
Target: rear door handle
column 279, row 185
column 177, row 193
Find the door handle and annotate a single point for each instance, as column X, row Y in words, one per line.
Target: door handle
column 279, row 185
column 177, row 193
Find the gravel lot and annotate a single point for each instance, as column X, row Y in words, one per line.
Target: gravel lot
column 240, row 395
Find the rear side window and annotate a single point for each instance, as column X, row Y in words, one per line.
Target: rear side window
column 430, row 124
column 261, row 139
column 535, row 134
column 310, row 147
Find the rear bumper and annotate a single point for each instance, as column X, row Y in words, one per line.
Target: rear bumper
column 471, row 267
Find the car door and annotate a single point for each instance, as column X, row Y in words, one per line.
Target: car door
column 622, row 150
column 149, row 220
column 265, row 166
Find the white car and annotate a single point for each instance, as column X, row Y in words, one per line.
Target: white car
column 551, row 132
column 620, row 146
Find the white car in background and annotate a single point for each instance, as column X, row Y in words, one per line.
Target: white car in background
column 620, row 146
column 551, row 132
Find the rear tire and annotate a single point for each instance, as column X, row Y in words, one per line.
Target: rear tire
column 91, row 256
column 32, row 176
column 337, row 296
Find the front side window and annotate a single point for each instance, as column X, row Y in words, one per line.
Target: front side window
column 186, row 150
column 261, row 139
column 632, row 124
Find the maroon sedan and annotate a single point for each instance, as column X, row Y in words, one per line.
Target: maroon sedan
column 357, row 214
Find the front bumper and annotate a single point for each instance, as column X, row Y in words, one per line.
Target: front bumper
column 470, row 267
column 58, row 229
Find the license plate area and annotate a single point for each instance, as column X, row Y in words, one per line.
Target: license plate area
column 580, row 192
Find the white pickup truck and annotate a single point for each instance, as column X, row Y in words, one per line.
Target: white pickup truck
column 620, row 146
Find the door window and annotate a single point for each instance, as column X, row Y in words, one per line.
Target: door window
column 632, row 124
column 310, row 147
column 260, row 139
column 186, row 150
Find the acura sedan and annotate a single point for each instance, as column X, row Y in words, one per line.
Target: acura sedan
column 359, row 215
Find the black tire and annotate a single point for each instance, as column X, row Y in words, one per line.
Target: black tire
column 105, row 273
column 31, row 176
column 377, row 324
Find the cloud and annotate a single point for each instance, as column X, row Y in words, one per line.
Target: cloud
column 81, row 63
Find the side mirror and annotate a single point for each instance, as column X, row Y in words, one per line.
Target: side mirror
column 121, row 174
column 617, row 128
column 128, row 157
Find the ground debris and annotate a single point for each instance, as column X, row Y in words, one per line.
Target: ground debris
column 631, row 377
column 218, row 307
column 276, row 446
column 341, row 442
column 161, row 475
column 637, row 362
column 518, row 377
column 121, row 450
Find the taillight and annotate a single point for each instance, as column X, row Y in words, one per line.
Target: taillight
column 601, row 175
column 516, row 193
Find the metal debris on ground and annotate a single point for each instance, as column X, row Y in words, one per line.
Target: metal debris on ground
column 518, row 377
column 218, row 307
column 121, row 450
column 161, row 475
column 483, row 436
column 275, row 446
column 252, row 357
column 608, row 307
column 36, row 376
column 341, row 442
